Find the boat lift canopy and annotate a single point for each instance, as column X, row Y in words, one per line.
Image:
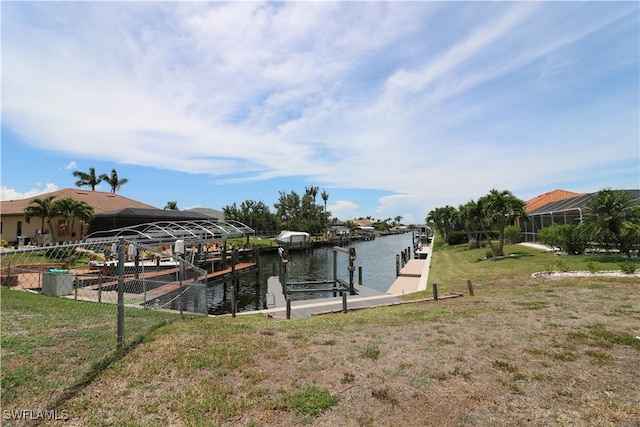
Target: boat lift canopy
column 167, row 232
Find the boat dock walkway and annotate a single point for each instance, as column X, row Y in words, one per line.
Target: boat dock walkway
column 414, row 275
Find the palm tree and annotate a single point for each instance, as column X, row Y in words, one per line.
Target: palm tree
column 325, row 197
column 43, row 209
column 470, row 216
column 113, row 180
column 613, row 216
column 88, row 179
column 70, row 209
column 501, row 208
column 443, row 220
column 312, row 191
column 171, row 205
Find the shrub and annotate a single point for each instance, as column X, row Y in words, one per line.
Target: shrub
column 593, row 266
column 513, row 234
column 457, row 238
column 628, row 267
column 562, row 266
column 568, row 237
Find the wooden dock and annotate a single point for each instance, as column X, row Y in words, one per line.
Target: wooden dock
column 105, row 292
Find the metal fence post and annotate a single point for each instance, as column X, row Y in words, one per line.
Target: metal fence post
column 120, row 343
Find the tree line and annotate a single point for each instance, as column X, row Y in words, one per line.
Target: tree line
column 496, row 209
column 611, row 219
column 292, row 211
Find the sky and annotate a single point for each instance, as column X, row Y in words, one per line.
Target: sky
column 392, row 108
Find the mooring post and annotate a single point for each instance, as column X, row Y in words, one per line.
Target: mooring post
column 352, row 258
column 360, row 275
column 435, row 292
column 470, row 286
column 397, row 265
column 99, row 286
column 344, row 302
column 233, row 300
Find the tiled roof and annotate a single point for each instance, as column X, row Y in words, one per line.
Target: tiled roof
column 572, row 203
column 99, row 200
column 546, row 198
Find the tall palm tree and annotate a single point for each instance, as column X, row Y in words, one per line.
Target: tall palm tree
column 470, row 216
column 501, row 208
column 113, row 180
column 613, row 216
column 312, row 191
column 87, row 179
column 325, row 197
column 443, row 220
column 43, row 209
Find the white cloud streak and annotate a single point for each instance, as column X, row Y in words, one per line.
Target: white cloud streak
column 363, row 95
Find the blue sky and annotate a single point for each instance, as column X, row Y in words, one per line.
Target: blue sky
column 393, row 109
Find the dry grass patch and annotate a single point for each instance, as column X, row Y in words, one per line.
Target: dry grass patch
column 531, row 356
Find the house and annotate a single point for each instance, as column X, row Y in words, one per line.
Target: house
column 549, row 197
column 15, row 229
column 557, row 207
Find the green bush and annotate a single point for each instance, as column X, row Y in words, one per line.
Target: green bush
column 568, row 237
column 593, row 266
column 628, row 267
column 457, row 238
column 513, row 234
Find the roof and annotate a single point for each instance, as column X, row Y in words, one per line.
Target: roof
column 572, row 204
column 549, row 197
column 153, row 214
column 100, row 201
column 211, row 213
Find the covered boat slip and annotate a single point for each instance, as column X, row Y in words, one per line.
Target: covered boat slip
column 168, row 232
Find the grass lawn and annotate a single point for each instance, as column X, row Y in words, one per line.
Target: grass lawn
column 51, row 345
column 523, row 351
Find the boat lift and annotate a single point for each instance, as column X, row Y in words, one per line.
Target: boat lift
column 344, row 285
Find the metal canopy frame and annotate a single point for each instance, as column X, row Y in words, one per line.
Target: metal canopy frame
column 167, row 232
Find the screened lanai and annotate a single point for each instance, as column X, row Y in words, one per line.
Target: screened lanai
column 567, row 211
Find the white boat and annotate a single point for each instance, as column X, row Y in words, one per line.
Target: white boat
column 287, row 237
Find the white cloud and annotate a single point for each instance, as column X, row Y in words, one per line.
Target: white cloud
column 438, row 101
column 343, row 210
column 7, row 193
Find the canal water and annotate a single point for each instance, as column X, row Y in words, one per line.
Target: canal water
column 376, row 257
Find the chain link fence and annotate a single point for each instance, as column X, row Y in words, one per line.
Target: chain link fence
column 152, row 277
column 68, row 310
